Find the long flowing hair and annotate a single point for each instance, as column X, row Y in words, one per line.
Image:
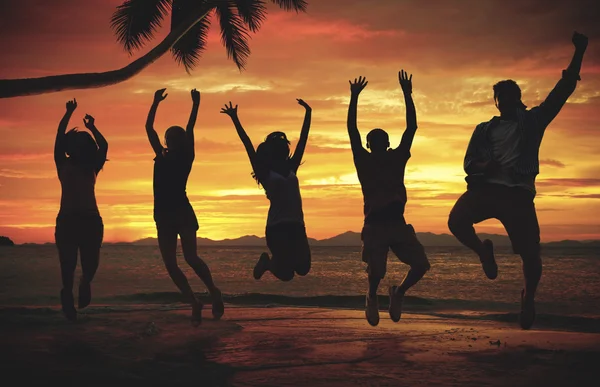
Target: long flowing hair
column 272, row 154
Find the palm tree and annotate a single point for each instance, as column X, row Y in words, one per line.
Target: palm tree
column 135, row 22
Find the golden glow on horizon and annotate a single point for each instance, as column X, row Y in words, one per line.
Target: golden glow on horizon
column 311, row 57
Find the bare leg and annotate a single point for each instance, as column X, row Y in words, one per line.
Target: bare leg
column 373, row 285
column 413, row 276
column 532, row 269
column 282, row 267
column 67, row 253
column 167, row 242
column 188, row 245
column 460, row 224
column 90, row 258
column 412, row 253
column 469, row 209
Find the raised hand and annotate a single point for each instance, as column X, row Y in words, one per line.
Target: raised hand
column 580, row 41
column 230, row 110
column 88, row 121
column 405, row 82
column 159, row 95
column 72, row 105
column 195, row 96
column 302, row 103
column 358, row 85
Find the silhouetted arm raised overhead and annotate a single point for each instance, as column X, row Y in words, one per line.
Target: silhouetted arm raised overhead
column 189, row 129
column 90, row 123
column 152, row 135
column 59, row 143
column 411, row 112
column 548, row 109
column 355, row 89
column 299, row 152
column 232, row 113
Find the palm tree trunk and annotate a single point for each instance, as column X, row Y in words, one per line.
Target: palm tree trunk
column 32, row 86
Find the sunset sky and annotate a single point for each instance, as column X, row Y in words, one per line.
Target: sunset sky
column 455, row 49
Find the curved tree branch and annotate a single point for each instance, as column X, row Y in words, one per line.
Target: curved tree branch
column 33, row 86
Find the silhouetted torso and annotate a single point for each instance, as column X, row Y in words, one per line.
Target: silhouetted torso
column 171, row 173
column 382, row 180
column 505, row 139
column 78, row 189
column 284, row 194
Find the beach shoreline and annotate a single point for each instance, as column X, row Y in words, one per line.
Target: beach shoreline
column 284, row 345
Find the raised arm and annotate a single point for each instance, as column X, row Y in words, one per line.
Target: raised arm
column 299, row 152
column 411, row 112
column 189, row 129
column 232, row 113
column 548, row 109
column 90, row 123
column 355, row 88
column 152, row 135
column 59, row 143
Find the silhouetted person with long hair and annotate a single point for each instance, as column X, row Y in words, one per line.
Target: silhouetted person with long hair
column 173, row 212
column 381, row 175
column 275, row 170
column 501, row 165
column 79, row 158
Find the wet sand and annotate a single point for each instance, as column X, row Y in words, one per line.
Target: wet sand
column 287, row 346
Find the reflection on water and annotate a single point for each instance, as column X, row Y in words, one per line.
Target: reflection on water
column 570, row 283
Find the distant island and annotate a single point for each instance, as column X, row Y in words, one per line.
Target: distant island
column 6, row 241
column 352, row 239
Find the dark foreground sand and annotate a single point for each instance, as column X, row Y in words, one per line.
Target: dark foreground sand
column 285, row 346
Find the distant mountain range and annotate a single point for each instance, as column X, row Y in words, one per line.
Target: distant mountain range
column 351, row 238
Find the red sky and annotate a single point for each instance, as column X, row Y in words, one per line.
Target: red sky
column 456, row 50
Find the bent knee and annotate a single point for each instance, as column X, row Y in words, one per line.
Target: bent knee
column 422, row 266
column 191, row 259
column 456, row 223
column 304, row 268
column 303, row 271
column 286, row 277
column 530, row 253
column 171, row 266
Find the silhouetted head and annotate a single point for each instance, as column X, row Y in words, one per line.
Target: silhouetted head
column 507, row 95
column 378, row 140
column 273, row 153
column 175, row 138
column 81, row 147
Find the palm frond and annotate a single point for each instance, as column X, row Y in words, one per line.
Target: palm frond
column 234, row 34
column 135, row 21
column 254, row 12
column 188, row 49
column 289, row 5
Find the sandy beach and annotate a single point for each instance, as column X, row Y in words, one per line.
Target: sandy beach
column 288, row 346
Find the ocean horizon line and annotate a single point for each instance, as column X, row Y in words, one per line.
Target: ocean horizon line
column 345, row 239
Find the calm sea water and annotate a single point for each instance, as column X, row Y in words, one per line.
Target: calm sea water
column 29, row 275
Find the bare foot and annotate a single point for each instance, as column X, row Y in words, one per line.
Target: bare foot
column 261, row 266
column 196, row 314
column 218, row 308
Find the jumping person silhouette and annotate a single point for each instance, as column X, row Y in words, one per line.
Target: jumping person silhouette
column 501, row 163
column 275, row 170
column 173, row 212
column 381, row 174
column 78, row 158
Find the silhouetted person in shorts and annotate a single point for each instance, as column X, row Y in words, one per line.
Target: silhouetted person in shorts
column 381, row 175
column 79, row 158
column 173, row 212
column 501, row 165
column 275, row 170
